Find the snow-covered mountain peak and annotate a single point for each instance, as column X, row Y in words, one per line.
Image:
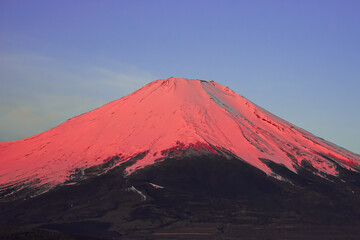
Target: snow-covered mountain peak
column 166, row 116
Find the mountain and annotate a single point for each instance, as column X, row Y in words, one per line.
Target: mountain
column 160, row 118
column 173, row 152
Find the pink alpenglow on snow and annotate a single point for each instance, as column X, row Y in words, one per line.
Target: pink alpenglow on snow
column 167, row 114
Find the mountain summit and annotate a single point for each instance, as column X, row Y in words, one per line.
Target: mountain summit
column 165, row 117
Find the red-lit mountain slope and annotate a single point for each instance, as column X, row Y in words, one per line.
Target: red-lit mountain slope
column 166, row 115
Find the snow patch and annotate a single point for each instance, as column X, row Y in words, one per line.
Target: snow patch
column 133, row 189
column 156, row 186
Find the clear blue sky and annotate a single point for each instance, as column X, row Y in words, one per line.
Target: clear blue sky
column 297, row 59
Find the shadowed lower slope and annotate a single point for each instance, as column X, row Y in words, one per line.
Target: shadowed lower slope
column 216, row 189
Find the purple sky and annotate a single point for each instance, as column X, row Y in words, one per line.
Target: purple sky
column 297, row 59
